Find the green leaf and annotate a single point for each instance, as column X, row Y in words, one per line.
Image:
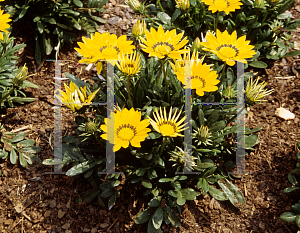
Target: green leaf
column 189, row 194
column 78, row 3
column 180, row 200
column 175, row 221
column 87, row 196
column 27, row 143
column 100, row 201
column 84, row 166
column 291, row 189
column 250, row 141
column 29, row 84
column 154, row 202
column 176, row 14
column 157, row 218
column 162, row 180
column 232, row 192
column 163, row 17
column 20, row 136
column 151, row 228
column 217, row 194
column 22, row 160
column 292, row 179
column 296, row 208
column 47, row 42
column 297, row 221
column 201, row 117
column 293, row 53
column 147, row 184
column 143, row 216
column 258, row 64
column 40, row 26
column 288, row 216
column 79, row 83
column 112, row 201
column 140, row 171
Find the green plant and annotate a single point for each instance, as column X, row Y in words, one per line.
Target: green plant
column 295, row 215
column 56, row 22
column 13, row 144
column 12, row 78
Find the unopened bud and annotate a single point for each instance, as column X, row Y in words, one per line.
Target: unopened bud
column 135, row 5
column 21, row 75
column 196, row 44
column 229, row 92
column 139, row 28
column 259, row 4
column 90, row 127
column 183, row 4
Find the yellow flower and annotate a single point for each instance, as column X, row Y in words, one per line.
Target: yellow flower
column 128, row 128
column 130, row 64
column 4, row 19
column 223, row 5
column 167, row 126
column 183, row 4
column 228, row 48
column 255, row 92
column 161, row 44
column 75, row 98
column 196, row 44
column 103, row 47
column 139, row 28
column 203, row 78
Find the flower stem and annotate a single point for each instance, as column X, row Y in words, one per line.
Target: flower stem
column 160, row 6
column 128, row 90
column 166, row 80
column 163, row 145
column 216, row 21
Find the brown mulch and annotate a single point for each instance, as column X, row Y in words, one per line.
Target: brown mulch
column 34, row 201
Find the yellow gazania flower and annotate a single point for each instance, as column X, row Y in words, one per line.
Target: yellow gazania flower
column 4, row 19
column 128, row 128
column 130, row 64
column 103, row 47
column 228, row 48
column 203, row 78
column 167, row 126
column 255, row 92
column 74, row 98
column 223, row 5
column 161, row 44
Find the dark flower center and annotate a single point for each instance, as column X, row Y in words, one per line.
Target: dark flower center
column 163, row 43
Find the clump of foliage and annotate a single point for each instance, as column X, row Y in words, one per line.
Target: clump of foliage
column 295, row 215
column 12, row 78
column 56, row 22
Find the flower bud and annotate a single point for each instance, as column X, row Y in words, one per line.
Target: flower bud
column 90, row 127
column 229, row 92
column 139, row 28
column 21, row 76
column 196, row 44
column 135, row 5
column 183, row 4
column 259, row 4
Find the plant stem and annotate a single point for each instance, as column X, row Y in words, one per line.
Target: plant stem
column 256, row 15
column 4, row 97
column 85, row 116
column 166, row 80
column 128, row 91
column 161, row 8
column 216, row 21
column 163, row 145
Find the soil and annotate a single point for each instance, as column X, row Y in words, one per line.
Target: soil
column 35, row 201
